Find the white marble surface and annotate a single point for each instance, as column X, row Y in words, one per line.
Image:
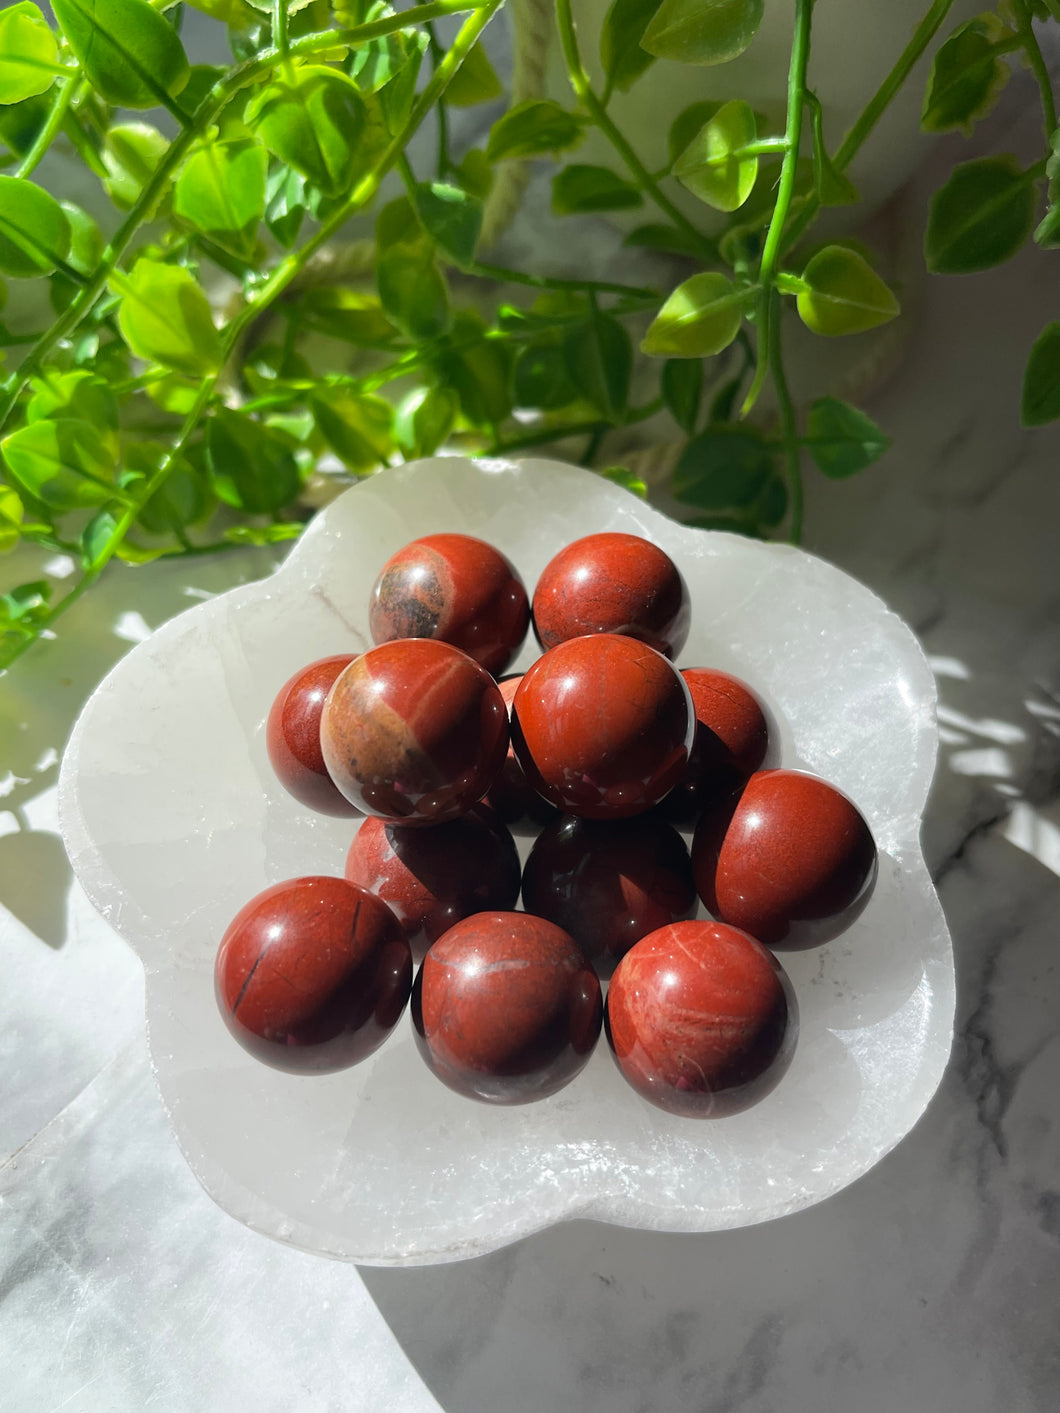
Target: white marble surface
column 932, row 1284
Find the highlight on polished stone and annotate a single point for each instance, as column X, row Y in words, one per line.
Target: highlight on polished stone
column 313, row 974
column 431, row 879
column 732, row 737
column 455, row 588
column 603, row 726
column 609, row 883
column 701, row 1019
column 506, row 1008
column 414, row 731
column 789, row 858
column 612, row 583
column 511, row 795
column 292, row 737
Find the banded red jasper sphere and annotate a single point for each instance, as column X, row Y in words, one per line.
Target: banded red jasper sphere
column 506, row 1008
column 602, row 726
column 609, row 884
column 612, row 583
column 732, row 737
column 512, row 796
column 414, row 731
column 789, row 858
column 455, row 588
column 313, row 974
column 292, row 737
column 700, row 1019
column 433, row 878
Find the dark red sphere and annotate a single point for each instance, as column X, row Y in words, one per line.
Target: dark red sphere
column 414, row 731
column 612, row 583
column 433, row 878
column 700, row 1019
column 609, row 884
column 506, row 1008
column 455, row 588
column 313, row 974
column 292, row 737
column 732, row 737
column 789, row 858
column 512, row 796
column 602, row 726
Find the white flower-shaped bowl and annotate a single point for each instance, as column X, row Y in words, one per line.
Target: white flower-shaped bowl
column 173, row 819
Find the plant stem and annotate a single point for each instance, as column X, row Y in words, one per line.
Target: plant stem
column 787, row 420
column 67, row 90
column 579, row 81
column 279, row 25
column 499, row 272
column 1037, row 63
column 767, row 308
column 273, row 287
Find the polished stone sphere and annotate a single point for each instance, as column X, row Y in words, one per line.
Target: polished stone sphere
column 433, row 878
column 788, row 858
column 313, row 974
column 414, row 731
column 603, row 726
column 506, row 1008
column 700, row 1019
column 612, row 583
column 609, row 884
column 732, row 737
column 519, row 805
column 292, row 737
column 455, row 588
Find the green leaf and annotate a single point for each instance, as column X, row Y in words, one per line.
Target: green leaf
column 86, row 240
column 173, row 394
column 621, row 54
column 96, row 536
column 842, row 440
column 1041, row 380
column 723, row 467
column 711, row 166
column 1047, row 234
column 700, row 318
column 131, row 153
column 599, row 358
column 967, row 76
column 533, row 128
column 687, row 124
column 541, row 379
column 346, row 314
column 357, row 427
column 379, row 61
column 315, row 123
column 221, row 192
column 66, row 463
column 474, row 82
column 166, row 318
column 81, row 395
column 682, row 389
column 703, row 31
column 478, row 372
column 475, row 173
column 285, row 204
column 229, row 12
column 24, row 606
column 11, row 514
column 579, row 189
column 450, row 217
column 34, row 231
column 182, row 499
column 657, row 236
column 29, row 54
column 397, row 224
column 130, row 54
column 395, row 98
column 628, row 480
column 263, row 534
column 424, row 421
column 980, row 217
column 21, row 123
column 413, row 291
column 843, row 294
column 251, row 466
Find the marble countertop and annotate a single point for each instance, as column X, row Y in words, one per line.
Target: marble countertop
column 932, row 1283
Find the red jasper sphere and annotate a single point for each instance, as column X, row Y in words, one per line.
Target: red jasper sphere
column 700, row 1019
column 612, row 583
column 511, row 794
column 414, row 731
column 433, row 878
column 609, row 884
column 789, row 858
column 313, row 974
column 292, row 737
column 506, row 1008
column 732, row 737
column 455, row 588
column 602, row 726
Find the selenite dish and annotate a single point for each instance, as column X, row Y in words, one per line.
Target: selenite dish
column 173, row 820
